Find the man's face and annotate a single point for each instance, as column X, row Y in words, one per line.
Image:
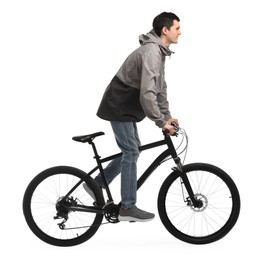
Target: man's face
column 173, row 33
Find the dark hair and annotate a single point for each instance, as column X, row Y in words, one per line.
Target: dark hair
column 164, row 20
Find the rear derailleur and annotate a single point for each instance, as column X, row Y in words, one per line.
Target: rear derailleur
column 62, row 209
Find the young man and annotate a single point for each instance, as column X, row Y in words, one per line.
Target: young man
column 138, row 90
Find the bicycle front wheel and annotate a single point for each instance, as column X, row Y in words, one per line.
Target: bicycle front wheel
column 217, row 214
column 52, row 223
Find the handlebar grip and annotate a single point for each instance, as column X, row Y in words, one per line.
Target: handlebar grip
column 166, row 131
column 176, row 128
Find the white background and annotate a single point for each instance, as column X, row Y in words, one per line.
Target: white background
column 57, row 57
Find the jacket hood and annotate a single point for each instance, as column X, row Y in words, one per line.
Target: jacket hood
column 152, row 37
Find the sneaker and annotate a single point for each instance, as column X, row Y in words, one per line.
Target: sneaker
column 135, row 214
column 88, row 190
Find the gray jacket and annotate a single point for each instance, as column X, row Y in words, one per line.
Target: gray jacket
column 139, row 88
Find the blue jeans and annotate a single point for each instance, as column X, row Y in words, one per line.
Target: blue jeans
column 127, row 138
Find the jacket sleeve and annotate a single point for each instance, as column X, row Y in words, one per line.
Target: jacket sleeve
column 163, row 102
column 149, row 98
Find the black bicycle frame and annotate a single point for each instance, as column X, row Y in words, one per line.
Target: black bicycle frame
column 169, row 152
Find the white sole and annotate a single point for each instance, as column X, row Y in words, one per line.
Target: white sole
column 132, row 219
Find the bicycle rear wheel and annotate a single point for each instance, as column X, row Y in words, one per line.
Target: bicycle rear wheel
column 220, row 204
column 44, row 216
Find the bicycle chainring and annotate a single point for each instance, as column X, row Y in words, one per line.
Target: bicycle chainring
column 111, row 212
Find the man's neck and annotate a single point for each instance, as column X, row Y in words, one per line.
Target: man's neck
column 165, row 42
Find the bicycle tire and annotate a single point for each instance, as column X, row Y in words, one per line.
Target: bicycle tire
column 39, row 206
column 217, row 216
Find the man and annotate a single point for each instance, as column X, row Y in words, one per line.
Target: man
column 138, row 90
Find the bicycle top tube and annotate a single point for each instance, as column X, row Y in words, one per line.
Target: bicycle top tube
column 89, row 139
column 141, row 148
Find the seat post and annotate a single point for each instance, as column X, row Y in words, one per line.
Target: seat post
column 97, row 158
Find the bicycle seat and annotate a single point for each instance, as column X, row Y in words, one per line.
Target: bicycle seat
column 87, row 138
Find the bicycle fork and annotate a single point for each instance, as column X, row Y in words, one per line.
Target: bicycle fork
column 179, row 168
column 192, row 200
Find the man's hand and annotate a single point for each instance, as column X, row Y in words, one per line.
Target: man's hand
column 170, row 128
column 172, row 120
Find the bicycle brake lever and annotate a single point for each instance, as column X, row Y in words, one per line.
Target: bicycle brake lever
column 176, row 128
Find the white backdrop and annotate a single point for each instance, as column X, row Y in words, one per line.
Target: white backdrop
column 57, row 57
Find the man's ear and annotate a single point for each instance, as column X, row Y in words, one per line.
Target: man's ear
column 165, row 30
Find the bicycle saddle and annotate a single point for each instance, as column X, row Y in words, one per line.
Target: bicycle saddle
column 87, row 138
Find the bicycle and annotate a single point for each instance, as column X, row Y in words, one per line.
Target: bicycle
column 198, row 203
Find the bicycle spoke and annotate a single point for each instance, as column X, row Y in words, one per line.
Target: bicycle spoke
column 43, row 207
column 204, row 221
